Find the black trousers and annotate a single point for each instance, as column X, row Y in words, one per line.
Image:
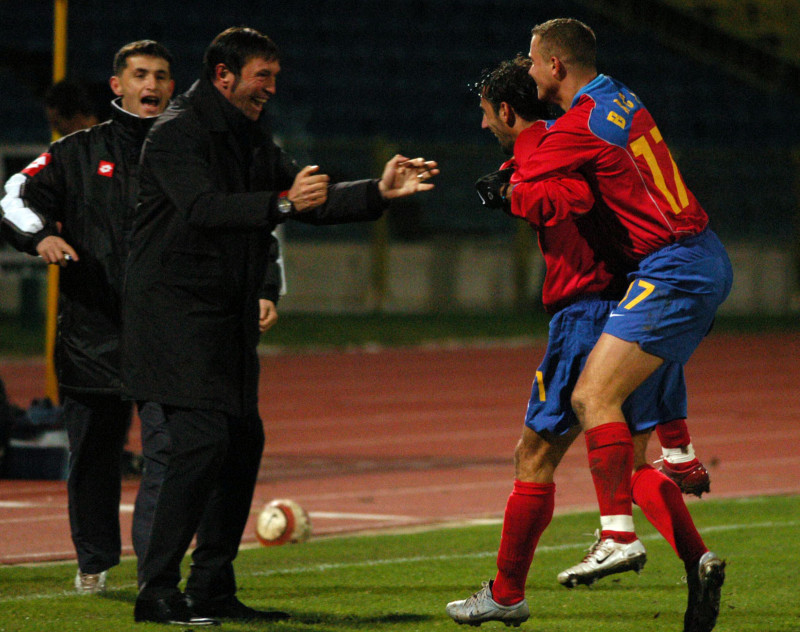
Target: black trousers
column 155, row 450
column 207, row 488
column 97, row 426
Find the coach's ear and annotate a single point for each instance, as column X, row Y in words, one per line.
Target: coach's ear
column 223, row 78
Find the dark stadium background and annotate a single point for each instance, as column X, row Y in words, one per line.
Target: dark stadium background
column 359, row 70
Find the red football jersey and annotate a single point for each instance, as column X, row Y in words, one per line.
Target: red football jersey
column 575, row 267
column 610, row 140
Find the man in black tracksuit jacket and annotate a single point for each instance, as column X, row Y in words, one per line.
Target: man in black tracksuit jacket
column 213, row 187
column 73, row 206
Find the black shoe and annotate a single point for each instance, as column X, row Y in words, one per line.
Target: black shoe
column 172, row 610
column 232, row 608
column 705, row 584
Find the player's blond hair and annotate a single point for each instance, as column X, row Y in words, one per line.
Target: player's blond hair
column 572, row 41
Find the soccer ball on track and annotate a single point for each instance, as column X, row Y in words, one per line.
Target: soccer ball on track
column 282, row 521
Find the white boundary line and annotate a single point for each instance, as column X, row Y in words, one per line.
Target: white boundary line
column 322, row 568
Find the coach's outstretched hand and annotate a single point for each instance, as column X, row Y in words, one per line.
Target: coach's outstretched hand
column 403, row 176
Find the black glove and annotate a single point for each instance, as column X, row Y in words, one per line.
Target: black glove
column 489, row 188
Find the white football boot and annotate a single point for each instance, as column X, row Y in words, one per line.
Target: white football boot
column 90, row 583
column 605, row 557
column 481, row 607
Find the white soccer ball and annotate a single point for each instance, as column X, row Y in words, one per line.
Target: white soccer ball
column 282, row 521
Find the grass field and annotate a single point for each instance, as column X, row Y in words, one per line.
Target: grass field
column 401, row 582
column 296, row 331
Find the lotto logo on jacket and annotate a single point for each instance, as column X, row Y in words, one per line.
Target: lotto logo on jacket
column 105, row 169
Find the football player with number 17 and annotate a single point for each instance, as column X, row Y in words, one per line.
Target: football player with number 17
column 680, row 275
column 682, row 272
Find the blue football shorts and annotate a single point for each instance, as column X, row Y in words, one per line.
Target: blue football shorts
column 574, row 331
column 673, row 297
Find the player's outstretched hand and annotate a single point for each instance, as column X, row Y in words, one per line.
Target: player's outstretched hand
column 54, row 249
column 403, row 176
column 309, row 189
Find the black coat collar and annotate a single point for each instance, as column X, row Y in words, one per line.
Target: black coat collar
column 219, row 116
column 134, row 127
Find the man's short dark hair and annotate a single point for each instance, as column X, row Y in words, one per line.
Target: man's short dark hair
column 570, row 40
column 70, row 97
column 510, row 82
column 150, row 48
column 235, row 46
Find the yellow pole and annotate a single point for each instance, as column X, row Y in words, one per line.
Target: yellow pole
column 59, row 72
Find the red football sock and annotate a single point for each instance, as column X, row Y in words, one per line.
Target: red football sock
column 676, row 445
column 610, row 449
column 673, row 434
column 662, row 503
column 528, row 512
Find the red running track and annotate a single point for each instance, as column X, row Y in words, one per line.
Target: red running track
column 401, row 438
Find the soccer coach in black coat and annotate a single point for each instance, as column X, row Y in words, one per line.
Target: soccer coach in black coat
column 213, row 186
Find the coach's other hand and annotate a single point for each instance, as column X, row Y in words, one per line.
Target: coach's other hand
column 309, row 189
column 403, row 176
column 267, row 314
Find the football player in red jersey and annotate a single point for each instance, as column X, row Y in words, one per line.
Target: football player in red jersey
column 682, row 272
column 583, row 284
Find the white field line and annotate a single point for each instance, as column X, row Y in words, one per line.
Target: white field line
column 335, row 515
column 324, row 568
column 61, row 516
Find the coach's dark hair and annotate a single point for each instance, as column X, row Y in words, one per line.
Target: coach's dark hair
column 150, row 48
column 234, row 47
column 570, row 40
column 510, row 82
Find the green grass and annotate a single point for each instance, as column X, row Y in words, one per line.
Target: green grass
column 401, row 582
column 310, row 331
column 337, row 331
column 297, row 331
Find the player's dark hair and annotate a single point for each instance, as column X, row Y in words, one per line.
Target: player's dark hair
column 570, row 40
column 510, row 82
column 149, row 48
column 69, row 98
column 234, row 47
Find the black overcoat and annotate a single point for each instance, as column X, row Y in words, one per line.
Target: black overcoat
column 200, row 247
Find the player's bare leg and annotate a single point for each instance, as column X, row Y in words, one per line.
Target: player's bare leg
column 614, row 369
column 528, row 512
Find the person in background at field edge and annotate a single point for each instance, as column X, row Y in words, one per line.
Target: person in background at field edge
column 69, row 107
column 213, row 187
